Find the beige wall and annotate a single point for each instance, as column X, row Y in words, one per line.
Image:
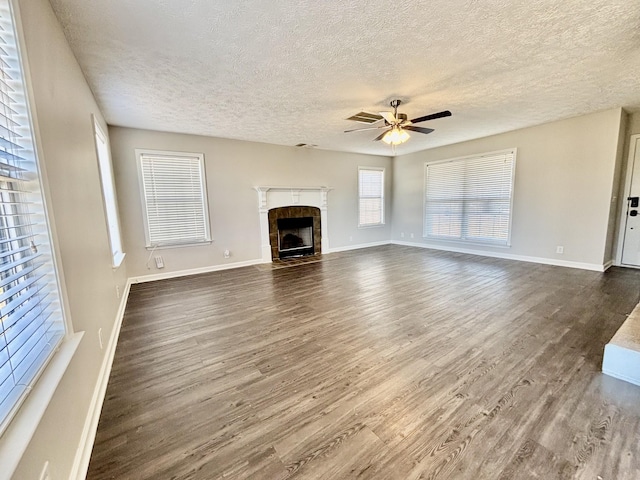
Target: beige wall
column 563, row 188
column 233, row 168
column 64, row 104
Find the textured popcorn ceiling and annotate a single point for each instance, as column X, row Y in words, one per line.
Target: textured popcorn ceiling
column 289, row 72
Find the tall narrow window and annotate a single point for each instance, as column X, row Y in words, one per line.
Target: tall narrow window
column 174, row 198
column 31, row 323
column 371, row 196
column 109, row 195
column 470, row 198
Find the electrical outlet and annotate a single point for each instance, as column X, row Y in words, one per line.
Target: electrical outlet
column 560, row 249
column 412, row 235
column 401, row 234
column 118, row 291
column 100, row 338
column 227, row 253
column 351, row 239
column 159, row 262
column 45, row 475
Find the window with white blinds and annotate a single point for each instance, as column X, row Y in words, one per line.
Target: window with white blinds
column 371, row 196
column 174, row 198
column 470, row 198
column 31, row 323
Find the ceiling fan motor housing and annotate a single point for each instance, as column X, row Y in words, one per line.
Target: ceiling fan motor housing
column 400, row 118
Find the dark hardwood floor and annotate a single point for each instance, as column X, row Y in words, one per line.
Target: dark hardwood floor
column 384, row 363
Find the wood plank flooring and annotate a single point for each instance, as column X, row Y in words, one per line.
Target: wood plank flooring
column 383, row 363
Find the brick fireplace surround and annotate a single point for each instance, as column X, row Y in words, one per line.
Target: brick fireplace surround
column 294, row 212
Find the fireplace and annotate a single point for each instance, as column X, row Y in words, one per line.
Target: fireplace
column 294, row 232
column 295, row 237
column 292, row 202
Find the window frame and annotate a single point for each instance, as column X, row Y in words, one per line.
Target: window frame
column 18, row 428
column 149, row 245
column 507, row 244
column 382, row 170
column 108, row 188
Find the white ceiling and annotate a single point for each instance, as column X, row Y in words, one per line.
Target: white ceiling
column 288, row 72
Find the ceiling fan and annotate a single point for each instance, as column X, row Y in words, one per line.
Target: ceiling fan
column 395, row 124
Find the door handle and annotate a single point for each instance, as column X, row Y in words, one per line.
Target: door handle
column 633, row 213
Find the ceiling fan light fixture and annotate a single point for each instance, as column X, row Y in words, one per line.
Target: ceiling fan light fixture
column 395, row 136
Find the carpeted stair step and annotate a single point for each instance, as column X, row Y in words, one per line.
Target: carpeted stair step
column 622, row 353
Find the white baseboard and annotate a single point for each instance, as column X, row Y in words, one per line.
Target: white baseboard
column 508, row 256
column 194, row 271
column 229, row 266
column 607, row 265
column 83, row 454
column 359, row 246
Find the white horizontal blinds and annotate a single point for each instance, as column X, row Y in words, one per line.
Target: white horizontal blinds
column 470, row 199
column 175, row 200
column 371, row 194
column 31, row 323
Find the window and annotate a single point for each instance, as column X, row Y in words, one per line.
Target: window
column 31, row 322
column 371, row 196
column 470, row 198
column 174, row 198
column 108, row 195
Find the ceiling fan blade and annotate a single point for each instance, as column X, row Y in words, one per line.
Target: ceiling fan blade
column 433, row 116
column 389, row 117
column 418, row 129
column 379, row 137
column 365, row 117
column 365, row 128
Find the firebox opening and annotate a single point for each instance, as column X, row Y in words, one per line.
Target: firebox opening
column 295, row 237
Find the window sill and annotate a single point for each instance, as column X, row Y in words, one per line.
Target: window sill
column 117, row 260
column 466, row 242
column 18, row 434
column 373, row 225
column 178, row 245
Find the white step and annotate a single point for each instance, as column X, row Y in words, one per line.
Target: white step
column 622, row 353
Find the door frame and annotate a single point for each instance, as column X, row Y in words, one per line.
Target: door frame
column 634, row 144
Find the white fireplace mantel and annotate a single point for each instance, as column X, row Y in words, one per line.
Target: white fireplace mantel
column 273, row 197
